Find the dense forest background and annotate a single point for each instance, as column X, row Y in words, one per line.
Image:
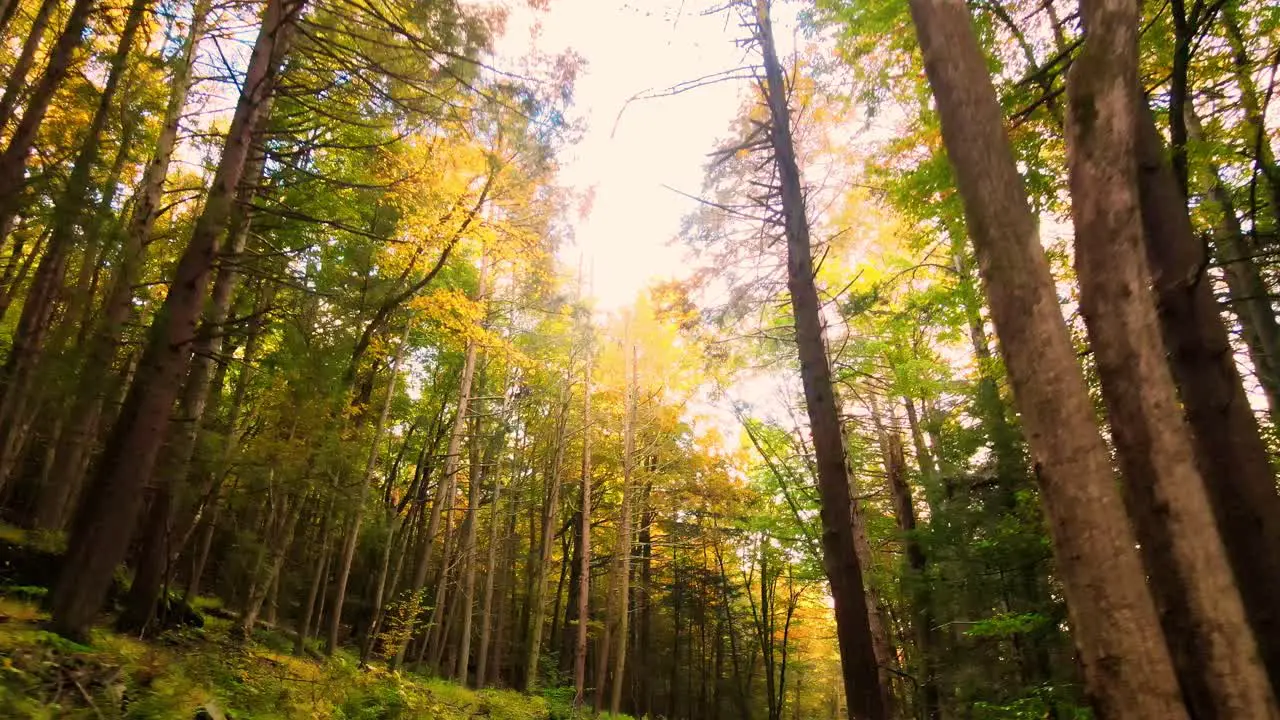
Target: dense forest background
column 963, row 406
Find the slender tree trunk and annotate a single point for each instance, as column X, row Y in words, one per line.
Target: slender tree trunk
column 1242, row 67
column 568, row 629
column 540, row 559
column 1250, row 298
column 101, row 533
column 279, row 551
column 646, row 616
column 380, row 590
column 1113, row 619
column 924, row 458
column 208, row 526
column 433, row 642
column 443, row 487
column 584, row 543
column 19, row 264
column 1204, row 618
column 171, row 486
column 468, row 559
column 503, row 618
column 76, row 441
column 624, row 539
column 881, row 645
column 317, row 581
column 16, row 375
column 13, row 161
column 603, row 650
column 916, row 583
column 487, row 466
column 362, row 496
column 491, row 569
column 26, row 59
column 866, row 693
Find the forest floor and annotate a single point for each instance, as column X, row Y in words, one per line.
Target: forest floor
column 205, row 673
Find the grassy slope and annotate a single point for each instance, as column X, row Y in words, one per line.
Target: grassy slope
column 44, row 676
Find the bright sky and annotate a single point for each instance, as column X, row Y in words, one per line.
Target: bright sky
column 630, row 163
column 631, row 46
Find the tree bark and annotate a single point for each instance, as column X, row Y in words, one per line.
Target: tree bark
column 171, row 485
column 866, row 694
column 102, row 532
column 475, row 481
column 491, row 569
column 1231, row 453
column 1249, row 296
column 1203, row 616
column 916, row 583
column 1113, row 619
column 279, row 551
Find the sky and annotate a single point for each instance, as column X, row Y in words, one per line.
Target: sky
column 630, row 161
column 636, row 158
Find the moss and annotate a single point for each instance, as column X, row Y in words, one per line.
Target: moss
column 45, row 676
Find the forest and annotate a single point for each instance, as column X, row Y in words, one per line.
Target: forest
column 963, row 403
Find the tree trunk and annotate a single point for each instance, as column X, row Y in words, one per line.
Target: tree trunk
column 916, row 582
column 1255, row 110
column 1203, row 615
column 1250, row 298
column 208, row 525
column 26, row 59
column 624, row 539
column 542, row 557
column 317, row 581
column 17, row 373
column 13, row 161
column 584, row 544
column 101, row 533
column 446, row 480
column 362, row 496
column 1113, row 619
column 467, row 558
column 491, row 569
column 76, row 443
column 503, row 618
column 1229, row 447
column 867, row 695
column 280, row 549
column 174, row 465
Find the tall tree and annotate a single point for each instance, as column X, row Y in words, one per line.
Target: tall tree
column 584, row 542
column 1192, row 582
column 1116, row 629
column 866, row 695
column 102, row 531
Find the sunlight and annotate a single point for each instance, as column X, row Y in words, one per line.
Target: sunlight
column 632, row 155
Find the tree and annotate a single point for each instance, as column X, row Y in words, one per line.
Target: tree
column 1100, row 571
column 866, row 696
column 101, row 532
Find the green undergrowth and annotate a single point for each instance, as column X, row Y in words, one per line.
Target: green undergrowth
column 183, row 673
column 207, row 673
